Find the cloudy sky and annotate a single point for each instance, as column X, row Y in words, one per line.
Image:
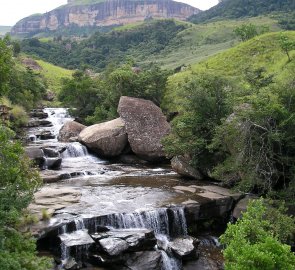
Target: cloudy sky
column 12, row 11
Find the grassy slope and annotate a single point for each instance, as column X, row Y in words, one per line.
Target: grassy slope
column 262, row 51
column 53, row 75
column 204, row 40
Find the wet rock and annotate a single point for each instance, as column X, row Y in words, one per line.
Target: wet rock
column 53, row 163
column 38, row 114
column 107, row 261
column 50, row 152
column 146, row 125
column 146, row 260
column 113, row 246
column 39, row 123
column 185, row 189
column 181, row 165
column 45, row 135
column 71, row 264
column 36, row 154
column 131, row 159
column 184, row 248
column 241, row 206
column 203, row 263
column 70, row 129
column 106, row 139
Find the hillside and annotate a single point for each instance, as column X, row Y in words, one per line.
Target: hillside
column 86, row 13
column 168, row 43
column 261, row 52
column 244, row 8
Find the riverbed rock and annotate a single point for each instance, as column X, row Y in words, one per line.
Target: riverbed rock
column 184, row 248
column 113, row 246
column 38, row 113
column 45, row 135
column 39, row 123
column 146, row 260
column 53, row 163
column 106, row 139
column 241, row 206
column 51, row 152
column 146, row 125
column 69, row 130
column 181, row 165
column 36, row 154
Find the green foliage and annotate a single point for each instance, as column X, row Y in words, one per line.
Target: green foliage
column 248, row 31
column 17, row 185
column 287, row 20
column 287, row 45
column 242, row 8
column 96, row 99
column 5, row 65
column 255, row 241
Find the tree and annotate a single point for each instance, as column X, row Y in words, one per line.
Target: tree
column 254, row 242
column 17, row 185
column 5, row 66
column 246, row 31
column 287, row 45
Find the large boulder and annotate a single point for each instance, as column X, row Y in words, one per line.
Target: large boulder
column 181, row 165
column 106, row 139
column 145, row 125
column 69, row 130
column 36, row 154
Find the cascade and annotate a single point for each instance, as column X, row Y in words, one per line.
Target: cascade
column 75, row 150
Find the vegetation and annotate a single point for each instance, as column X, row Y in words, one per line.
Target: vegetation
column 243, row 134
column 239, row 8
column 17, row 185
column 96, row 99
column 257, row 240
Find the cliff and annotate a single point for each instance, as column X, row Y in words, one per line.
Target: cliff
column 102, row 13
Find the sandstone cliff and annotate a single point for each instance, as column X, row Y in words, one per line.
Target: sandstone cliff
column 103, row 13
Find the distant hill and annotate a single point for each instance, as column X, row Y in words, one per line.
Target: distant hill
column 244, row 8
column 4, row 30
column 101, row 13
column 171, row 44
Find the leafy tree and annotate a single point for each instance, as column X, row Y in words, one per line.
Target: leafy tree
column 5, row 66
column 17, row 185
column 287, row 45
column 255, row 241
column 246, row 31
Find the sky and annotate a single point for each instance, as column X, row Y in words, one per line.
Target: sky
column 12, row 11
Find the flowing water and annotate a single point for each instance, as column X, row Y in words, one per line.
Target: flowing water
column 114, row 195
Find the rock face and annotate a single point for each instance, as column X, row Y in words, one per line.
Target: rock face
column 106, row 139
column 103, row 13
column 69, row 130
column 180, row 165
column 145, row 125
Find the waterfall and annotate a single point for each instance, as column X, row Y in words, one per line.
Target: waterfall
column 75, row 150
column 79, row 224
column 169, row 262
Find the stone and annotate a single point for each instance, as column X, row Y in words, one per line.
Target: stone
column 184, row 248
column 36, row 154
column 203, row 263
column 113, row 246
column 241, row 206
column 146, row 260
column 38, row 114
column 185, row 188
column 45, row 135
column 53, row 163
column 70, row 129
column 106, row 139
column 50, row 152
column 146, row 125
column 181, row 165
column 39, row 123
column 71, row 264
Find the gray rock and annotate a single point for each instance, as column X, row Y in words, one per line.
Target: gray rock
column 147, row 260
column 184, row 248
column 36, row 154
column 69, row 130
column 113, row 246
column 38, row 114
column 106, row 139
column 181, row 165
column 203, row 263
column 145, row 125
column 39, row 123
column 53, row 163
column 50, row 152
column 45, row 135
column 241, row 206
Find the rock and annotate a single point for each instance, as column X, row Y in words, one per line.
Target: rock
column 70, row 129
column 39, row 123
column 38, row 114
column 181, row 165
column 147, row 260
column 71, row 264
column 53, row 163
column 49, row 96
column 145, row 125
column 241, row 206
column 45, row 135
column 185, row 188
column 131, row 159
column 184, row 248
column 106, row 139
column 113, row 246
column 37, row 155
column 203, row 263
column 50, row 152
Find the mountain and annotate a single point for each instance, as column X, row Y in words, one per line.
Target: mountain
column 4, row 30
column 98, row 13
column 243, row 8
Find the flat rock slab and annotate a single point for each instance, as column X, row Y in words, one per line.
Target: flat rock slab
column 185, row 189
column 76, row 238
column 183, row 247
column 113, row 246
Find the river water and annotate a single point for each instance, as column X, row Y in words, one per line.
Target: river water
column 116, row 195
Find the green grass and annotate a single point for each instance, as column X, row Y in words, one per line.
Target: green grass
column 53, row 75
column 262, row 51
column 198, row 42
